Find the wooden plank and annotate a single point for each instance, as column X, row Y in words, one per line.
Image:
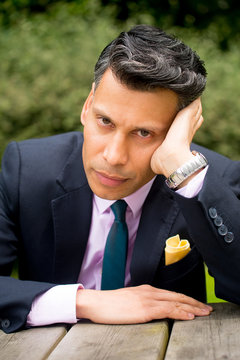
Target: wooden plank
column 214, row 337
column 31, row 344
column 87, row 341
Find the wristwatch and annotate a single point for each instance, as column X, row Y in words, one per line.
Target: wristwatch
column 186, row 170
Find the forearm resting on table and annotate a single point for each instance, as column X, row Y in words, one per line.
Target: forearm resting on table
column 136, row 305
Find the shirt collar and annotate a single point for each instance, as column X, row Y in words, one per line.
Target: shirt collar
column 135, row 200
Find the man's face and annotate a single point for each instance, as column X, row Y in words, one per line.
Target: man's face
column 122, row 129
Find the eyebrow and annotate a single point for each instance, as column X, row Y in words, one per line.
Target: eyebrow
column 100, row 111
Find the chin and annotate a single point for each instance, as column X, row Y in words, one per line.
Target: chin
column 108, row 195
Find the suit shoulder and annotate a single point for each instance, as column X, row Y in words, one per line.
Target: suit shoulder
column 65, row 140
column 46, row 155
column 50, row 149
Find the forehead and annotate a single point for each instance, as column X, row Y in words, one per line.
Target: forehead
column 117, row 101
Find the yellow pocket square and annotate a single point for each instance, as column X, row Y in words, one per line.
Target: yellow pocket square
column 176, row 249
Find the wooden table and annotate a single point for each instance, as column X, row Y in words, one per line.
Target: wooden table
column 214, row 337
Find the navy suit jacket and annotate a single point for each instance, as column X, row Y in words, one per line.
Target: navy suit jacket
column 45, row 216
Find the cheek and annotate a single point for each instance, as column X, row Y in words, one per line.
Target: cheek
column 93, row 149
column 141, row 161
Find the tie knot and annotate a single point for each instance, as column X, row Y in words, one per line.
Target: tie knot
column 119, row 209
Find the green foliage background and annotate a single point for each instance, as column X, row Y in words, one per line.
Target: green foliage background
column 46, row 71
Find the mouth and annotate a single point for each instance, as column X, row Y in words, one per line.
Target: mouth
column 110, row 180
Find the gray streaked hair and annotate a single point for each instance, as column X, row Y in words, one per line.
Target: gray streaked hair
column 146, row 58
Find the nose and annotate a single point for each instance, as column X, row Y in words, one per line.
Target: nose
column 115, row 151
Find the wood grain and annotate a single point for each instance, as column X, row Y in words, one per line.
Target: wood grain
column 118, row 342
column 32, row 344
column 214, row 337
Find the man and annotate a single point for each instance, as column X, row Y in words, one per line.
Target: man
column 57, row 199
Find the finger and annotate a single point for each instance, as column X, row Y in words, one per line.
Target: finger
column 165, row 295
column 168, row 310
column 196, row 105
column 199, row 122
column 175, row 310
column 199, row 112
column 195, row 310
column 191, row 114
column 192, row 109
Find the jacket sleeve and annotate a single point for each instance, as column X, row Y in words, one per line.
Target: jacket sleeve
column 213, row 220
column 16, row 296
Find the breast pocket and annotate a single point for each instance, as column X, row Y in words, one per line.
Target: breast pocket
column 186, row 276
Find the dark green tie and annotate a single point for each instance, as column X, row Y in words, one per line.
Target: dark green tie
column 115, row 253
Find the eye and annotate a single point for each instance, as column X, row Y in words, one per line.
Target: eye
column 104, row 121
column 143, row 133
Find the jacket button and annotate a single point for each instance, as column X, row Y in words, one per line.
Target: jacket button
column 212, row 212
column 218, row 221
column 223, row 230
column 229, row 237
column 5, row 323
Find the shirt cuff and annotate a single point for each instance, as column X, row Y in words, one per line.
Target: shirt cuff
column 57, row 305
column 194, row 186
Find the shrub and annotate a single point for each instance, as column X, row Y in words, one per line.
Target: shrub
column 221, row 106
column 46, row 71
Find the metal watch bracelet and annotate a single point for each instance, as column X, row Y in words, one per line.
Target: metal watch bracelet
column 186, row 170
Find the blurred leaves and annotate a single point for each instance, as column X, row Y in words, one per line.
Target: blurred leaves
column 46, row 72
column 221, row 107
column 199, row 15
column 47, row 62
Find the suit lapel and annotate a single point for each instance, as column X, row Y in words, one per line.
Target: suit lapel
column 72, row 212
column 158, row 215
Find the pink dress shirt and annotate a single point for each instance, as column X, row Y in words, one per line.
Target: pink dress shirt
column 58, row 305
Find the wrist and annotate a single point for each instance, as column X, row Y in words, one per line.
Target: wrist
column 187, row 171
column 80, row 304
column 174, row 161
column 83, row 303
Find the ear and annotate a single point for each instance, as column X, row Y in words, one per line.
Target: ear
column 87, row 105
